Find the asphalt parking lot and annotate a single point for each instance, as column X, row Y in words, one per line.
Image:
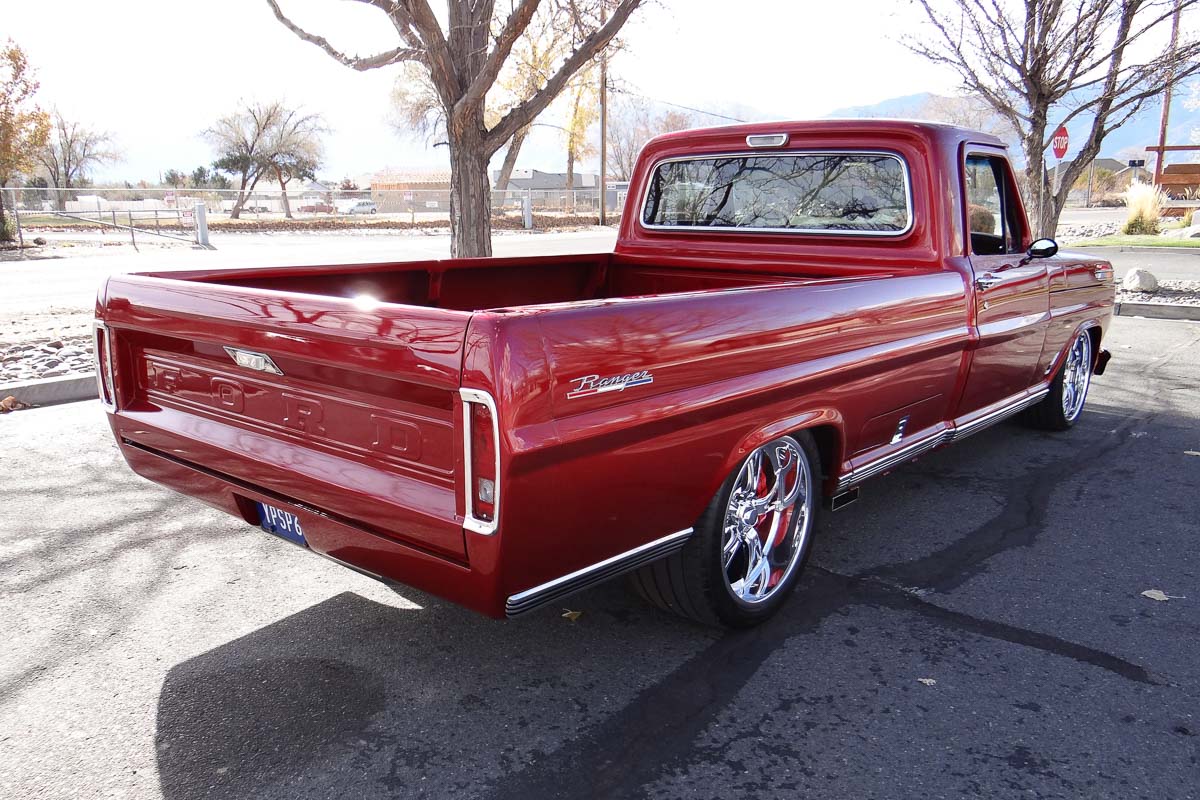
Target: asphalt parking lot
column 974, row 626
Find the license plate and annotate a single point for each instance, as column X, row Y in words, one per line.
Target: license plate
column 281, row 524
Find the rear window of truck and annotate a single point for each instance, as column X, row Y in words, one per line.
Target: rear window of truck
column 843, row 193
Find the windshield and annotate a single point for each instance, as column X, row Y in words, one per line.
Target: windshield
column 863, row 193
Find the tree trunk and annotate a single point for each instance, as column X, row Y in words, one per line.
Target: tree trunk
column 236, row 211
column 4, row 234
column 470, row 195
column 510, row 158
column 570, row 182
column 283, row 198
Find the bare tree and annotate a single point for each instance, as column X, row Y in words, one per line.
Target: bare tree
column 1099, row 60
column 632, row 125
column 464, row 61
column 24, row 127
column 242, row 141
column 967, row 111
column 293, row 150
column 72, row 151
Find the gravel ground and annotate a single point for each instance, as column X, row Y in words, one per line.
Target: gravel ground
column 46, row 344
column 1094, row 230
column 1175, row 293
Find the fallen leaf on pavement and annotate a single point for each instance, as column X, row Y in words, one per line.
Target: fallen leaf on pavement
column 11, row 403
column 927, row 681
column 572, row 615
column 1160, row 595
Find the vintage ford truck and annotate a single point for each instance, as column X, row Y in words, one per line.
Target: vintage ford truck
column 790, row 309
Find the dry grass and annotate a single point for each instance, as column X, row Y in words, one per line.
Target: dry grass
column 1145, row 203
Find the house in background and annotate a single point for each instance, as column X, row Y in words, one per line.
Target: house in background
column 411, row 190
column 547, row 190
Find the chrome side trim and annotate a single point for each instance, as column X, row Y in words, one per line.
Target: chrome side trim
column 873, row 468
column 589, row 576
column 470, row 521
column 908, row 196
column 953, row 434
column 976, row 425
column 106, row 384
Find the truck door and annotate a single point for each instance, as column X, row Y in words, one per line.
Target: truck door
column 1012, row 291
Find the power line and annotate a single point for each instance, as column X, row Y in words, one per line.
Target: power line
column 677, row 105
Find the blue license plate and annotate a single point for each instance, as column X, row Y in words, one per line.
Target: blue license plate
column 281, row 523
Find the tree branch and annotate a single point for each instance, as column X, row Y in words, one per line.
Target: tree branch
column 361, row 63
column 523, row 114
column 514, row 26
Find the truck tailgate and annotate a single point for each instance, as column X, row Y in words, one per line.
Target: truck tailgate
column 352, row 409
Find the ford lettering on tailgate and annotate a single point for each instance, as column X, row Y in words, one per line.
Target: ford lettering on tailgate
column 336, row 422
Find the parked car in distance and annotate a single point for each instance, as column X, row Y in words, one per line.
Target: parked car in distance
column 357, row 207
column 790, row 310
column 317, row 207
column 255, row 208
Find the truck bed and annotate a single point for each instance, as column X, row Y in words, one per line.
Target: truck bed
column 496, row 284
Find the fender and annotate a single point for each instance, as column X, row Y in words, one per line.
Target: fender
column 790, row 424
column 1100, row 356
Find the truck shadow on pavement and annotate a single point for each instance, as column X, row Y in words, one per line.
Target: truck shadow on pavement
column 357, row 697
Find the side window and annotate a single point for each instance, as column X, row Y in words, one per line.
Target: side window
column 991, row 213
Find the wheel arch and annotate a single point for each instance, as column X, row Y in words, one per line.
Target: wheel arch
column 826, row 427
column 1093, row 329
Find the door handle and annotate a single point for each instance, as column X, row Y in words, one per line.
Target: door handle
column 986, row 281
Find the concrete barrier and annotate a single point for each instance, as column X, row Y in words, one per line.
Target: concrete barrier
column 1158, row 311
column 51, row 391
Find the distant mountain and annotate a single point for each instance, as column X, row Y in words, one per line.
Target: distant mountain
column 1128, row 141
column 906, row 107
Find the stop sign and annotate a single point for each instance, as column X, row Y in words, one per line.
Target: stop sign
column 1060, row 142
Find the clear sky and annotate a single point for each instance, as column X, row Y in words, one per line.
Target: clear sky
column 157, row 72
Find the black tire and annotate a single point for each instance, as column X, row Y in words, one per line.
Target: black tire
column 1062, row 407
column 694, row 583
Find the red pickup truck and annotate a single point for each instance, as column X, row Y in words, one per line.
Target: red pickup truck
column 790, row 309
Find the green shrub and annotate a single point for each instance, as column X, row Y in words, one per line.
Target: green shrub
column 8, row 231
column 1140, row 225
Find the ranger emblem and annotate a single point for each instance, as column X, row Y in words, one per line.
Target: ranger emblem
column 594, row 384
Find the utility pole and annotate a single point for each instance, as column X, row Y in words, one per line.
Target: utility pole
column 1166, row 109
column 603, row 123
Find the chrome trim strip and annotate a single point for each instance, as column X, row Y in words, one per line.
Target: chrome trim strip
column 976, row 425
column 873, row 468
column 470, row 521
column 908, row 198
column 105, row 379
column 588, row 576
column 885, row 463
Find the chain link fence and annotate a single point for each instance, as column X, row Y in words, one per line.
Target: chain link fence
column 169, row 211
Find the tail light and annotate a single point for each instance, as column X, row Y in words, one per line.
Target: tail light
column 103, row 359
column 481, row 442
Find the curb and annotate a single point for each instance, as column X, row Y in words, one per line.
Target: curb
column 1158, row 311
column 51, row 391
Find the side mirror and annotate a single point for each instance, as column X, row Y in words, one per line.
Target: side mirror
column 1043, row 248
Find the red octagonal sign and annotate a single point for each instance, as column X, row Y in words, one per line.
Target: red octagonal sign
column 1060, row 141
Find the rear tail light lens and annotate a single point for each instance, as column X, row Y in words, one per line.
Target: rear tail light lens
column 102, row 358
column 483, row 462
column 481, row 434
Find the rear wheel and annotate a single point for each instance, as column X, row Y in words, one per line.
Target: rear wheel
column 749, row 546
column 1059, row 409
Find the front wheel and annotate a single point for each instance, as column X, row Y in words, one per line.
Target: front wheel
column 1059, row 409
column 748, row 548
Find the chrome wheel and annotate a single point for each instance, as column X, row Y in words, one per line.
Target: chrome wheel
column 1077, row 376
column 768, row 519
